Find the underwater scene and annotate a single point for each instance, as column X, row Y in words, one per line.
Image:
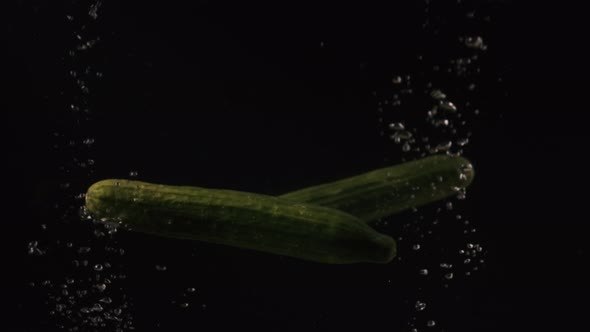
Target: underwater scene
column 270, row 166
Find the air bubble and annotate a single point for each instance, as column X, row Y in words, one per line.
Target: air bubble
column 93, row 12
column 420, row 306
column 463, row 142
column 441, row 122
column 445, row 146
column 84, row 250
column 448, row 106
column 475, row 43
column 438, row 95
column 88, row 141
column 397, row 126
column 401, row 135
column 406, row 147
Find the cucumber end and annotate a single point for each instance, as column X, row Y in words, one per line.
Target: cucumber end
column 96, row 192
column 386, row 249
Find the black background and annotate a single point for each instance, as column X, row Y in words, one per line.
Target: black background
column 268, row 110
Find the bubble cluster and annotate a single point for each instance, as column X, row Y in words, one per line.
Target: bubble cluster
column 433, row 110
column 86, row 294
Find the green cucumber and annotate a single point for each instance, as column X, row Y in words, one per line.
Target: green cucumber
column 240, row 219
column 389, row 190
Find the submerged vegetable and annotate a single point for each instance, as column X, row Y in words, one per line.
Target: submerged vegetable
column 240, row 219
column 389, row 190
column 324, row 223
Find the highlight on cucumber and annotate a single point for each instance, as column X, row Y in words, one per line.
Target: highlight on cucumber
column 325, row 223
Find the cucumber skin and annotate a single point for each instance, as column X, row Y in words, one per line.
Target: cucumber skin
column 240, row 219
column 389, row 190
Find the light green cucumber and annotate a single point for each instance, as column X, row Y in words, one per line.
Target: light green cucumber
column 389, row 190
column 240, row 219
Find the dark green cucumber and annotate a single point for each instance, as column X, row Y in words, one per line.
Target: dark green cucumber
column 240, row 219
column 389, row 190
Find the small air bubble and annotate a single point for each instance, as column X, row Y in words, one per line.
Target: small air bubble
column 84, row 250
column 448, row 106
column 93, row 12
column 461, row 193
column 475, row 43
column 397, row 126
column 441, row 122
column 463, row 142
column 438, row 95
column 420, row 306
column 449, row 205
column 401, row 135
column 88, row 141
column 406, row 147
column 444, row 146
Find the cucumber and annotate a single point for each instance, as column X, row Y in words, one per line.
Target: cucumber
column 240, row 219
column 389, row 190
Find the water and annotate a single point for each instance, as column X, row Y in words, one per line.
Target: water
column 120, row 125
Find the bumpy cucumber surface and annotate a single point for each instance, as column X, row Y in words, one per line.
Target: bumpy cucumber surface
column 240, row 219
column 389, row 190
